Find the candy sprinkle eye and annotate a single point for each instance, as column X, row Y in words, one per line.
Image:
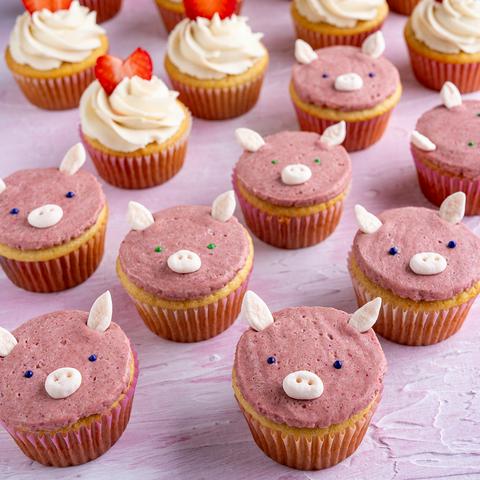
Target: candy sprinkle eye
column 471, row 144
column 271, row 360
column 325, row 75
column 92, row 358
column 317, row 161
column 452, row 244
column 158, row 249
column 70, row 194
column 337, row 364
column 211, row 246
column 28, row 374
column 274, row 162
column 371, row 74
column 14, row 211
column 393, row 251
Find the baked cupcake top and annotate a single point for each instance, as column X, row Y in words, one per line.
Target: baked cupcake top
column 185, row 252
column 212, row 49
column 418, row 253
column 447, row 136
column 451, row 26
column 345, row 78
column 44, row 207
column 294, row 169
column 308, row 367
column 45, row 39
column 339, row 13
column 88, row 355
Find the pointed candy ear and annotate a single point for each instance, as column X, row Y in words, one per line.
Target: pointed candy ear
column 100, row 315
column 452, row 208
column 249, row 140
column 224, row 206
column 367, row 222
column 374, row 45
column 365, row 317
column 2, row 186
column 139, row 217
column 304, row 53
column 7, row 342
column 422, row 142
column 334, row 134
column 256, row 312
column 450, row 95
column 73, row 160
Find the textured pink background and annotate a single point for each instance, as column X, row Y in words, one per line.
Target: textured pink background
column 185, row 423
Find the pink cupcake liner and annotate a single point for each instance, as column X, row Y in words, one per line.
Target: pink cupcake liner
column 78, row 444
column 437, row 186
column 106, row 9
column 404, row 7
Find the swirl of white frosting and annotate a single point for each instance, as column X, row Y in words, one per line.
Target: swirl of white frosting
column 452, row 26
column 45, row 39
column 340, row 13
column 213, row 49
column 137, row 113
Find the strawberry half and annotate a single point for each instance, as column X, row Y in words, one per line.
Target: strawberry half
column 52, row 5
column 110, row 70
column 207, row 8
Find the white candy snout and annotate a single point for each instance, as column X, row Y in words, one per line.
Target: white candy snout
column 303, row 385
column 45, row 216
column 296, row 174
column 63, row 382
column 348, row 82
column 184, row 261
column 428, row 263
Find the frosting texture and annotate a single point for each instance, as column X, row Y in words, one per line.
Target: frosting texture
column 137, row 113
column 310, row 338
column 45, row 39
column 213, row 49
column 450, row 26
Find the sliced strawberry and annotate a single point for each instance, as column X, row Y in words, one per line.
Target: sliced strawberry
column 110, row 70
column 207, row 8
column 52, row 5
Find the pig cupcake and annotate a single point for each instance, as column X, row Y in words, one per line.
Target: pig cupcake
column 354, row 84
column 52, row 225
column 186, row 268
column 68, row 381
column 446, row 149
column 423, row 263
column 292, row 185
column 308, row 380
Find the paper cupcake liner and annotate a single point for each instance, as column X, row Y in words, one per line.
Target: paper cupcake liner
column 433, row 74
column 139, row 171
column 59, row 273
column 61, row 93
column 193, row 324
column 404, row 7
column 308, row 452
column 437, row 186
column 413, row 327
column 106, row 9
column 82, row 442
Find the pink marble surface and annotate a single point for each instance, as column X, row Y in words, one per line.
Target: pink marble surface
column 185, row 422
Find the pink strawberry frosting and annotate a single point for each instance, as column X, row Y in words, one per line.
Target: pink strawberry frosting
column 456, row 133
column 414, row 230
column 29, row 189
column 331, row 170
column 185, row 228
column 314, row 83
column 57, row 340
column 310, row 338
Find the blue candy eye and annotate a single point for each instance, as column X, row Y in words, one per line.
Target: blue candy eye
column 325, row 75
column 393, row 251
column 371, row 74
column 271, row 360
column 92, row 358
column 452, row 244
column 14, row 211
column 28, row 374
column 337, row 364
column 70, row 194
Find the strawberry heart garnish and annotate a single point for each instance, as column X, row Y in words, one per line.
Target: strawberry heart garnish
column 110, row 70
column 207, row 8
column 52, row 5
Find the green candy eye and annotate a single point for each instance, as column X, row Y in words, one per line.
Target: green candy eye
column 158, row 249
column 317, row 161
column 471, row 144
column 211, row 246
column 274, row 162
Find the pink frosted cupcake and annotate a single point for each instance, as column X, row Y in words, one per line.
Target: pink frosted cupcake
column 308, row 381
column 68, row 380
column 446, row 149
column 425, row 266
column 186, row 268
column 106, row 9
column 292, row 185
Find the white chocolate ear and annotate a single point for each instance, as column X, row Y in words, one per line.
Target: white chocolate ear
column 452, row 208
column 422, row 142
column 100, row 315
column 7, row 342
column 223, row 206
column 374, row 45
column 367, row 222
column 450, row 95
column 256, row 312
column 139, row 217
column 334, row 134
column 249, row 140
column 73, row 160
column 304, row 53
column 365, row 317
column 2, row 186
